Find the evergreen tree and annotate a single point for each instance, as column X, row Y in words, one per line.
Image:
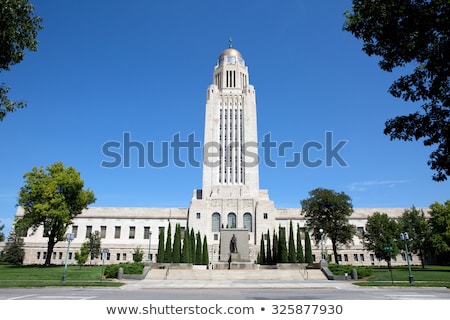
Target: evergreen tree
column 160, row 254
column 168, row 251
column 283, row 253
column 193, row 247
column 13, row 252
column 205, row 253
column 186, row 254
column 275, row 248
column 176, row 252
column 269, row 257
column 198, row 249
column 292, row 255
column 94, row 244
column 262, row 255
column 300, row 255
column 308, row 249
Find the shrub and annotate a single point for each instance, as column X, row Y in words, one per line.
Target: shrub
column 112, row 270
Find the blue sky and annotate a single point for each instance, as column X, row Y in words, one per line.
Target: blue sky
column 104, row 68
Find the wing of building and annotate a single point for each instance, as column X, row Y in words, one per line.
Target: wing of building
column 230, row 198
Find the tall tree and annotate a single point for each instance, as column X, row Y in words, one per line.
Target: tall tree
column 415, row 35
column 19, row 28
column 193, row 246
column 415, row 223
column 51, row 198
column 292, row 254
column 94, row 244
column 198, row 249
column 176, row 252
column 282, row 251
column 275, row 248
column 269, row 257
column 380, row 236
column 262, row 251
column 160, row 254
column 440, row 230
column 300, row 254
column 186, row 251
column 329, row 210
column 205, row 252
column 13, row 252
column 168, row 251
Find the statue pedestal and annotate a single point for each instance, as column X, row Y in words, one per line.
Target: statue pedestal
column 235, row 257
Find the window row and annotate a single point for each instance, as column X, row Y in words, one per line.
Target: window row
column 117, row 232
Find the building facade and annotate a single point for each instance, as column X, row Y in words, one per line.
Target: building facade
column 230, row 197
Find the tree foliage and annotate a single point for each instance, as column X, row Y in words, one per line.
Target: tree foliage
column 440, row 229
column 414, row 222
column 2, row 235
column 168, row 251
column 160, row 254
column 308, row 249
column 19, row 28
column 94, row 244
column 292, row 253
column 176, row 251
column 300, row 254
column 329, row 210
column 13, row 252
column 51, row 198
column 415, row 34
column 82, row 256
column 381, row 233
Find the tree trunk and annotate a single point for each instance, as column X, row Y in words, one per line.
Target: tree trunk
column 50, row 245
column 335, row 252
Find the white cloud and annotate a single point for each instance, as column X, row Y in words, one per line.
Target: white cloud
column 364, row 185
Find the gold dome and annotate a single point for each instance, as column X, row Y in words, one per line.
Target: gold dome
column 230, row 52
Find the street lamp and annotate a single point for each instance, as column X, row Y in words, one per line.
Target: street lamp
column 69, row 238
column 405, row 237
column 149, row 257
column 321, row 242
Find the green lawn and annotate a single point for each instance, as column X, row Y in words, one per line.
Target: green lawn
column 430, row 276
column 40, row 276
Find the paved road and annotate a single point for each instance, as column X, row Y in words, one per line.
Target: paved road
column 228, row 290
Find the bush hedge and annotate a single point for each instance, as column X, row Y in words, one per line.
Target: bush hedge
column 338, row 269
column 112, row 270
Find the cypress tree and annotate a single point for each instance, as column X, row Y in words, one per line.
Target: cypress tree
column 275, row 248
column 176, row 252
column 283, row 253
column 300, row 255
column 269, row 258
column 186, row 253
column 192, row 243
column 205, row 252
column 160, row 255
column 168, row 251
column 308, row 249
column 262, row 255
column 198, row 249
column 292, row 255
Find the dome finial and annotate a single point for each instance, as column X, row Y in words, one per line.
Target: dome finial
column 230, row 43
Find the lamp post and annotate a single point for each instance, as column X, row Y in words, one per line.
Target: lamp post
column 69, row 238
column 321, row 243
column 149, row 257
column 405, row 237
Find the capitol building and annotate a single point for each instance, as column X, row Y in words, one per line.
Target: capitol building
column 229, row 198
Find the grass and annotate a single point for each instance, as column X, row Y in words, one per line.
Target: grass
column 41, row 276
column 430, row 276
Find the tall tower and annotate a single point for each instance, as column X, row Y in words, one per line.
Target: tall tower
column 230, row 197
column 230, row 166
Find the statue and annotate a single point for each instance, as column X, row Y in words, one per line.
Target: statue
column 233, row 244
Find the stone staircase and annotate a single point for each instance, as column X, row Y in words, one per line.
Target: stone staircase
column 217, row 274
